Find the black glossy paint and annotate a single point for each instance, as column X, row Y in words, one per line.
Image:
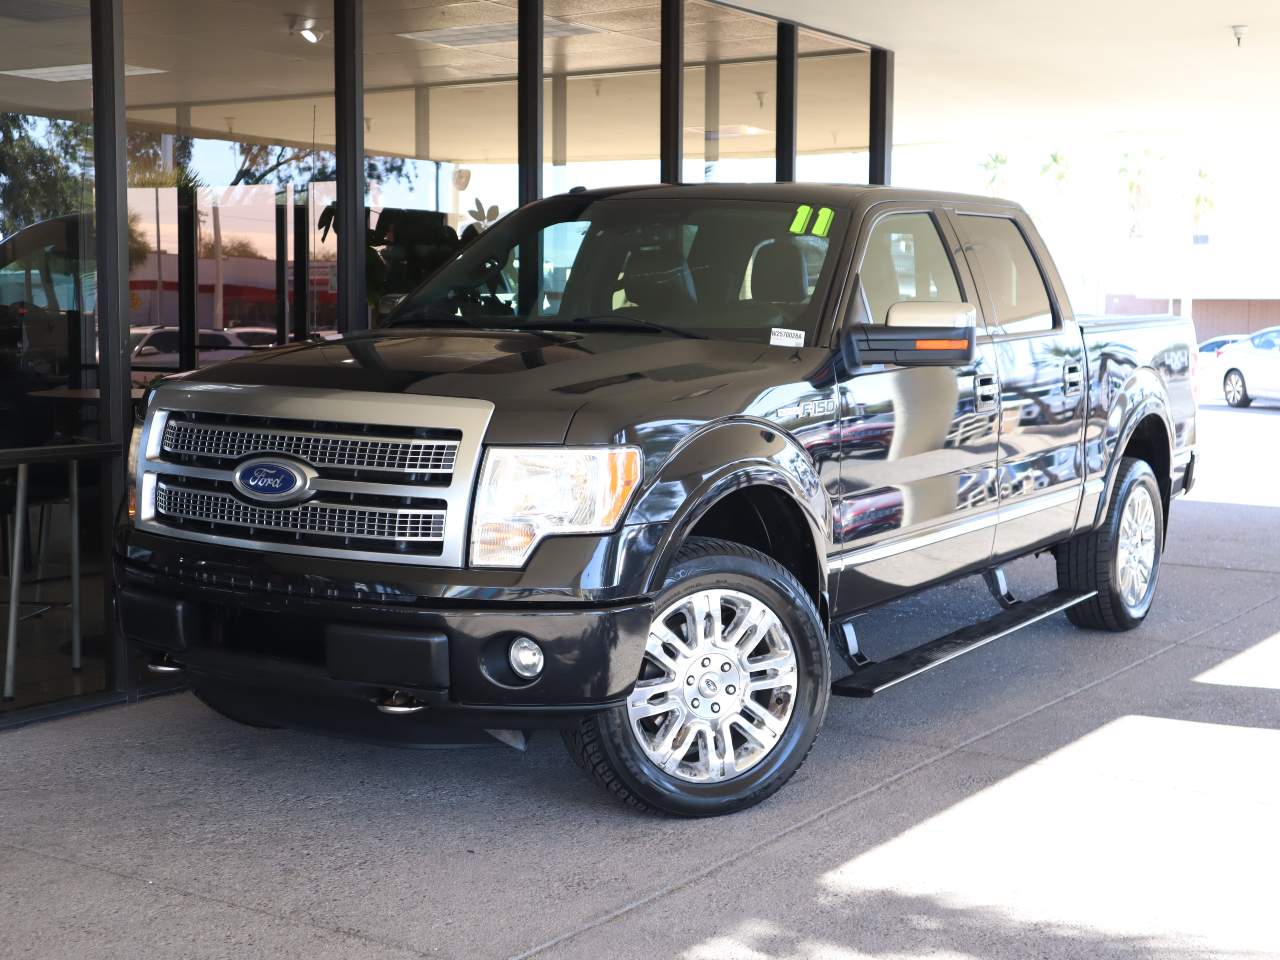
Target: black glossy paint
column 871, row 455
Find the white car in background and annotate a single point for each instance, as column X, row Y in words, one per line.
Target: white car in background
column 1250, row 368
column 1209, row 365
column 154, row 350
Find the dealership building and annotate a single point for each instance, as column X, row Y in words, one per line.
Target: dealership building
column 173, row 177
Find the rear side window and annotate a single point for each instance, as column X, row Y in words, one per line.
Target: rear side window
column 905, row 259
column 1014, row 282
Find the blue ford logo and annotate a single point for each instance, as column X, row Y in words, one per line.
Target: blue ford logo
column 272, row 481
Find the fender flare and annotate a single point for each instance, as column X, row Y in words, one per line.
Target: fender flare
column 1143, row 396
column 699, row 472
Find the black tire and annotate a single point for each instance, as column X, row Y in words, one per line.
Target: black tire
column 224, row 707
column 1235, row 390
column 606, row 747
column 1089, row 561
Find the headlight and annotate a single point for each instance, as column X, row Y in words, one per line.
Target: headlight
column 135, row 448
column 527, row 493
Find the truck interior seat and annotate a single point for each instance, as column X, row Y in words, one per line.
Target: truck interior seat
column 779, row 273
column 658, row 279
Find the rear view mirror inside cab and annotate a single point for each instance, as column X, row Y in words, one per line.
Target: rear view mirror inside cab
column 917, row 333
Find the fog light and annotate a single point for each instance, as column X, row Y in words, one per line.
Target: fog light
column 525, row 658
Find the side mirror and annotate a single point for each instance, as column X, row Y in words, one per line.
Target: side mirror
column 148, row 351
column 918, row 334
column 932, row 313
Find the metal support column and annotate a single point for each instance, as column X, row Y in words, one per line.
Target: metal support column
column 188, row 277
column 881, row 139
column 348, row 69
column 15, row 582
column 106, row 29
column 301, row 269
column 788, row 70
column 671, row 92
column 282, row 266
column 529, row 100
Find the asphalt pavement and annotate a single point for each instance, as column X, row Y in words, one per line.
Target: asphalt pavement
column 1059, row 793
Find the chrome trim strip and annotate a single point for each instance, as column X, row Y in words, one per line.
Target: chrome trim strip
column 1044, row 501
column 1002, row 513
column 470, row 417
column 882, row 551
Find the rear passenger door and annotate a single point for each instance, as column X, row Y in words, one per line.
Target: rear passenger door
column 1041, row 365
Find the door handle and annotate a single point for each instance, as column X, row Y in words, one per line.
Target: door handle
column 1072, row 378
column 986, row 392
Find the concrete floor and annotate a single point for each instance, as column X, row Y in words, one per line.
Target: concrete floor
column 1056, row 794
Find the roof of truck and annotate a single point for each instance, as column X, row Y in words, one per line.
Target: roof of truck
column 828, row 194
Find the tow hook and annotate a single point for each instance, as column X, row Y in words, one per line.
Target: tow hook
column 399, row 703
column 162, row 664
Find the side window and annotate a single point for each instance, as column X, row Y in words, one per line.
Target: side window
column 905, row 259
column 1264, row 341
column 1017, row 289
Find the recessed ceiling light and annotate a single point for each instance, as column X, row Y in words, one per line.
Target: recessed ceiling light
column 305, row 27
column 495, row 33
column 73, row 71
column 729, row 131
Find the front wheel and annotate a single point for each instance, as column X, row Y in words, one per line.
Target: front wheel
column 732, row 690
column 1235, row 390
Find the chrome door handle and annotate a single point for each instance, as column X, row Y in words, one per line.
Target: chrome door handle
column 1072, row 378
column 986, row 392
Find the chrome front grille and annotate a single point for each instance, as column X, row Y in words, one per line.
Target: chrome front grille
column 324, row 519
column 352, row 452
column 385, row 477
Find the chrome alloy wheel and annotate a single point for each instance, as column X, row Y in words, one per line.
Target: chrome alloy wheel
column 1234, row 388
column 717, row 687
column 1136, row 547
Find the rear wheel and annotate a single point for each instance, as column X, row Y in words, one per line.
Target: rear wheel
column 732, row 690
column 1234, row 389
column 1121, row 558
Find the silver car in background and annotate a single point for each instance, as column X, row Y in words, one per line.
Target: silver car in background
column 1251, row 368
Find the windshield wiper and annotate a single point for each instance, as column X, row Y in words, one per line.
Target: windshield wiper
column 612, row 318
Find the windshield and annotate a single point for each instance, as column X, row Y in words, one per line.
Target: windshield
column 725, row 269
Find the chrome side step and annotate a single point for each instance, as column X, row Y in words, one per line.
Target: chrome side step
column 883, row 674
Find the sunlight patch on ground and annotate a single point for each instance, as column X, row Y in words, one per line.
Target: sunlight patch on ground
column 1162, row 833
column 1259, row 667
column 1223, row 435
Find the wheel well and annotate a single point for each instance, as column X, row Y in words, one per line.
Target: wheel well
column 1150, row 442
column 769, row 521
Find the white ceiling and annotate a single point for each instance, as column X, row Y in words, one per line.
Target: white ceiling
column 1039, row 67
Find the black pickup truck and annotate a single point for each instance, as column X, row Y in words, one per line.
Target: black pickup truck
column 628, row 464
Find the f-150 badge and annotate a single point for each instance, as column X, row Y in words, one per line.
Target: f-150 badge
column 810, row 408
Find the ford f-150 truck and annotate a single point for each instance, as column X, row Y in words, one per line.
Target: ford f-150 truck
column 628, row 464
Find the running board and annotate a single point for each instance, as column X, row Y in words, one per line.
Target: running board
column 883, row 674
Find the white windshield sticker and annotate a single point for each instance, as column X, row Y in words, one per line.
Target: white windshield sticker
column 782, row 337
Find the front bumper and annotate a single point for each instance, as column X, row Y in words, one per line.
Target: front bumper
column 321, row 663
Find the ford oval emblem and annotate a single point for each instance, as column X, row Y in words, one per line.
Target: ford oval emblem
column 272, row 481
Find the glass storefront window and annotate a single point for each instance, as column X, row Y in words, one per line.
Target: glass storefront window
column 730, row 95
column 440, row 134
column 230, row 155
column 833, row 116
column 49, row 373
column 601, row 97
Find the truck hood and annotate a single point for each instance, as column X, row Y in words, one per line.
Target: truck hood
column 537, row 380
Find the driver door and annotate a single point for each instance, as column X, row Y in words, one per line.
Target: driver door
column 918, row 443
